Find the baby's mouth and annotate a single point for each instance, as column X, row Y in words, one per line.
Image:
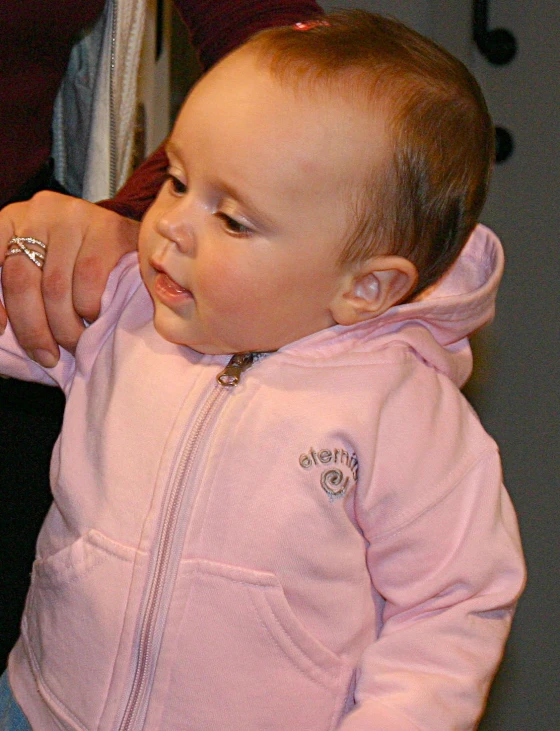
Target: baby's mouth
column 164, row 280
column 167, row 288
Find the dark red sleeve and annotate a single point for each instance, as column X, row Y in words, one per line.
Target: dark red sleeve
column 137, row 194
column 216, row 27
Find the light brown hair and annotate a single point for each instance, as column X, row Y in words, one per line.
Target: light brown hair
column 426, row 202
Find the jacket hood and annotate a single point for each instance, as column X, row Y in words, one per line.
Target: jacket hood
column 438, row 323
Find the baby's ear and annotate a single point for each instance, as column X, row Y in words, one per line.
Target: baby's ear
column 372, row 287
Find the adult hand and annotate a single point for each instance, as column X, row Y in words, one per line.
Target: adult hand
column 85, row 242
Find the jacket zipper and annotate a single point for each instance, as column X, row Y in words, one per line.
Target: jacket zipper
column 138, row 697
column 112, row 110
column 239, row 363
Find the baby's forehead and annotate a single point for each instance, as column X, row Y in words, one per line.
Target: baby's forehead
column 315, row 128
column 349, row 84
column 290, row 153
column 244, row 83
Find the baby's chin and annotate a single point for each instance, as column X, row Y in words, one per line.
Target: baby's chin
column 221, row 345
column 203, row 348
column 213, row 348
column 230, row 348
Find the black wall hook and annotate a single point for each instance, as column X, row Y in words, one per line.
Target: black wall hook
column 499, row 45
column 504, row 144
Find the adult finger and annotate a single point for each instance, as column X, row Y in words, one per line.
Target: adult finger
column 65, row 238
column 108, row 237
column 24, row 305
column 44, row 217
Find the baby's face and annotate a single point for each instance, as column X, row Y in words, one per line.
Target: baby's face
column 239, row 251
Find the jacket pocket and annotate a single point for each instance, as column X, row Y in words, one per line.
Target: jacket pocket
column 73, row 621
column 236, row 657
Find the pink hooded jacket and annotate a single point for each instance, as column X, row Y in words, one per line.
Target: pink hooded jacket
column 325, row 545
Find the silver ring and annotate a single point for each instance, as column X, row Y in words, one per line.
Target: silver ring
column 23, row 245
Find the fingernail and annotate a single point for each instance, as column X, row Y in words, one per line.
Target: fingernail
column 44, row 357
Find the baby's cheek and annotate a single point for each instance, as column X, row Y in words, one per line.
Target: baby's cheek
column 229, row 288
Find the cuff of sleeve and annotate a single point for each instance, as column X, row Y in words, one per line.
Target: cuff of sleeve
column 122, row 209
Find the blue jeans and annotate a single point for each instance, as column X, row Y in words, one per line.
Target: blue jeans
column 11, row 715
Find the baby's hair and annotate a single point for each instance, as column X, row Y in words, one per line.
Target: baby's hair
column 424, row 204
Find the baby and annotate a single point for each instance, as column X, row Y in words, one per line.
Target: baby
column 273, row 508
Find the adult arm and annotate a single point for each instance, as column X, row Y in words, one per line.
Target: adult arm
column 219, row 26
column 86, row 240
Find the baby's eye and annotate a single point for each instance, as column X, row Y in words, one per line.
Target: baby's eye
column 176, row 185
column 233, row 227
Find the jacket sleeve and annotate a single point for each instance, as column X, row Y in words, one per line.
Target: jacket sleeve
column 446, row 566
column 216, row 28
column 139, row 191
column 219, row 26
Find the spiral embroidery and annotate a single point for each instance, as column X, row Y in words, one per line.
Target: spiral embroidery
column 334, row 483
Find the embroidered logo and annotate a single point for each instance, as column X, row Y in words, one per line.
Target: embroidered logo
column 339, row 469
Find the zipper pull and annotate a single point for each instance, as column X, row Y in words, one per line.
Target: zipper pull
column 240, row 362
